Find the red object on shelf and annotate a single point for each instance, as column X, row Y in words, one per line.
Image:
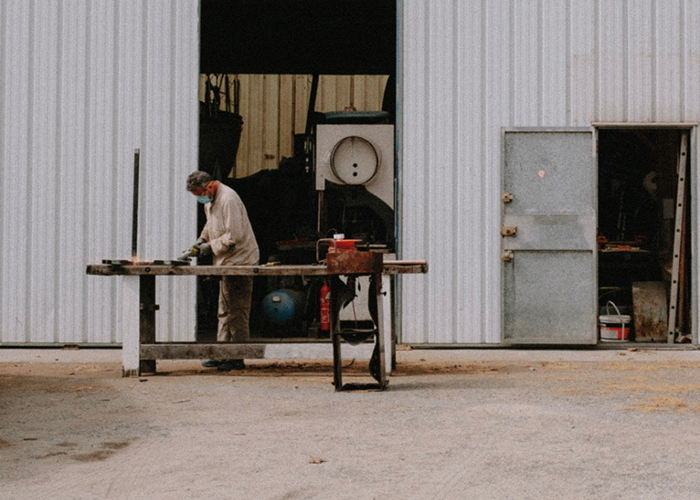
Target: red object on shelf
column 325, row 308
column 343, row 246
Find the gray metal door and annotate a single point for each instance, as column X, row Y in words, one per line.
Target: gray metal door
column 549, row 237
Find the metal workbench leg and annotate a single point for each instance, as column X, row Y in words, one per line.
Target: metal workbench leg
column 381, row 341
column 392, row 320
column 128, row 325
column 335, row 338
column 147, row 319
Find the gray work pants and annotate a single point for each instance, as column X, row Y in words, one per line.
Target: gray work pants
column 235, row 294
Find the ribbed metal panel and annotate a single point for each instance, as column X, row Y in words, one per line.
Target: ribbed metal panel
column 85, row 84
column 472, row 67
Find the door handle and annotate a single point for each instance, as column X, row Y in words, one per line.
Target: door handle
column 509, row 230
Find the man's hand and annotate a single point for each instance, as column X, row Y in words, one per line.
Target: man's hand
column 203, row 248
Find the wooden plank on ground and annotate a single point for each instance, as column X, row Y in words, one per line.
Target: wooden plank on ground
column 202, row 351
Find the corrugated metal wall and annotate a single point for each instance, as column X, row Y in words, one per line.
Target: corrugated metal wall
column 472, row 67
column 84, row 84
column 274, row 108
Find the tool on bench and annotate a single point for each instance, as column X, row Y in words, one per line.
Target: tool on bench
column 199, row 249
column 187, row 254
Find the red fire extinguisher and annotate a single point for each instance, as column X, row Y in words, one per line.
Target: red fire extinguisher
column 325, row 307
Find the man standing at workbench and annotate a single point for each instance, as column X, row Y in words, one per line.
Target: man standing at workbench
column 229, row 237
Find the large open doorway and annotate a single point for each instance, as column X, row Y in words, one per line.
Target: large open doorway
column 276, row 79
column 644, row 237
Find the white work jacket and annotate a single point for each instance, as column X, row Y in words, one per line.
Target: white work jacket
column 228, row 230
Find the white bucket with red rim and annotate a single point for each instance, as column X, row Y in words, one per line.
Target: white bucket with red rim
column 614, row 327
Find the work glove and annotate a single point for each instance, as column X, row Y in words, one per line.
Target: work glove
column 193, row 251
column 203, row 249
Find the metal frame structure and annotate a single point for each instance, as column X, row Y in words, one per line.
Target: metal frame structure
column 140, row 349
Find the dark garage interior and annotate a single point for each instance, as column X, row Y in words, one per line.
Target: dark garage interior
column 313, row 37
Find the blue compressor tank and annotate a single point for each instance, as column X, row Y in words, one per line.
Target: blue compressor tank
column 283, row 306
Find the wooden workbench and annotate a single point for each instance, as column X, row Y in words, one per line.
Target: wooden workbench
column 140, row 350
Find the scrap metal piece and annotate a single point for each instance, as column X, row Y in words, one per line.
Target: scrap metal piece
column 172, row 262
column 116, row 262
column 354, row 262
column 650, row 311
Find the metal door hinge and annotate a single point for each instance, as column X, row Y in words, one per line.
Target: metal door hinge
column 507, row 255
column 507, row 197
column 509, row 230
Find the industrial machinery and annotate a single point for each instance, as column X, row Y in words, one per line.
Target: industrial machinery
column 354, row 160
column 354, row 170
column 356, row 155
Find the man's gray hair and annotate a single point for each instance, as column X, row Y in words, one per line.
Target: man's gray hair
column 198, row 179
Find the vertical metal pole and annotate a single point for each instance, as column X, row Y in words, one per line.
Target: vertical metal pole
column 381, row 340
column 335, row 338
column 392, row 306
column 312, row 104
column 147, row 320
column 135, row 215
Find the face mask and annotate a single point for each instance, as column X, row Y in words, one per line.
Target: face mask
column 203, row 199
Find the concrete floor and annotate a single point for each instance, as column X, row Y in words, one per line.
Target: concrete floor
column 480, row 423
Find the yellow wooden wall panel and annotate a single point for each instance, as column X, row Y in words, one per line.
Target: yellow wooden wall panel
column 372, row 93
column 274, row 108
column 359, row 99
column 286, row 117
column 343, row 92
column 327, row 93
column 244, row 107
column 271, row 122
column 255, row 118
column 302, row 90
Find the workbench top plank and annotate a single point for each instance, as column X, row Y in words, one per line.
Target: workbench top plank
column 390, row 267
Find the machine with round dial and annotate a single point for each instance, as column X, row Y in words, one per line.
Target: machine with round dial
column 354, row 160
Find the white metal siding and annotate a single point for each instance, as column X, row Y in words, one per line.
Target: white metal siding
column 473, row 67
column 85, row 84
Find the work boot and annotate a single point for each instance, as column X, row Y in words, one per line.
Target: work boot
column 211, row 363
column 231, row 364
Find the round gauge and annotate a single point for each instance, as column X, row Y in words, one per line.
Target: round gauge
column 354, row 160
